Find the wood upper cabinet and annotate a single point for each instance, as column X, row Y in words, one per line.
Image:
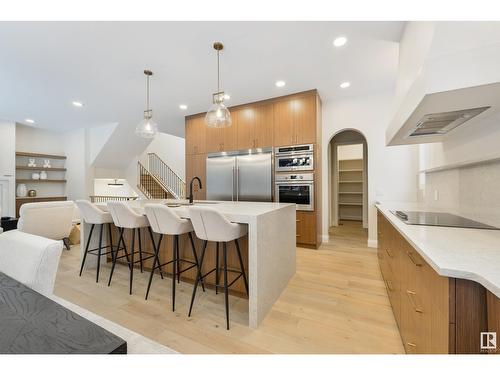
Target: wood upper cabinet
column 195, row 135
column 196, row 166
column 254, row 126
column 222, row 139
column 295, row 120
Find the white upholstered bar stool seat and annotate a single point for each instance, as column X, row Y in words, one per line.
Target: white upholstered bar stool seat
column 164, row 221
column 125, row 217
column 93, row 215
column 211, row 225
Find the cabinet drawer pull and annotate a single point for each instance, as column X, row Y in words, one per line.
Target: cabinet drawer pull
column 413, row 259
column 298, row 221
column 410, row 297
column 389, row 253
column 297, row 235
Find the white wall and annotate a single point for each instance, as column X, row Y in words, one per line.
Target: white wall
column 346, row 152
column 7, row 168
column 392, row 171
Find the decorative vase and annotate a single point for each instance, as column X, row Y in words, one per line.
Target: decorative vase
column 46, row 163
column 43, row 175
column 32, row 193
column 35, row 176
column 31, row 162
column 21, row 190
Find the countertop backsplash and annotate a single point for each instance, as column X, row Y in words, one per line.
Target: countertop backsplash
column 469, row 191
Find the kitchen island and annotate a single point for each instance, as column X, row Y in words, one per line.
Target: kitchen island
column 268, row 249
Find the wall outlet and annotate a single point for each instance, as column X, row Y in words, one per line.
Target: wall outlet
column 436, row 195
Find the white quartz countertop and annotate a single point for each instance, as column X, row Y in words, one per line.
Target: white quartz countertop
column 237, row 212
column 472, row 254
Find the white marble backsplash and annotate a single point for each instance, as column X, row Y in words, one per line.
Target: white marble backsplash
column 470, row 191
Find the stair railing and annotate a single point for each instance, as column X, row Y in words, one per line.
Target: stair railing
column 167, row 177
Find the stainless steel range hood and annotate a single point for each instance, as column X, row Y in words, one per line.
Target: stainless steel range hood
column 443, row 122
column 438, row 114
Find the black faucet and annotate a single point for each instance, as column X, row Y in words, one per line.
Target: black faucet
column 191, row 188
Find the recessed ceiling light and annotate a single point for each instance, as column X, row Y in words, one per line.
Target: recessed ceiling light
column 280, row 83
column 227, row 96
column 77, row 104
column 340, row 41
column 29, row 121
column 183, row 107
column 345, row 85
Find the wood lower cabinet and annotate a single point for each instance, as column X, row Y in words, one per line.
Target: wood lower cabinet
column 196, row 166
column 306, row 228
column 435, row 314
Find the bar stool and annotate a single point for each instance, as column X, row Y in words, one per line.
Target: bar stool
column 210, row 225
column 126, row 218
column 93, row 215
column 163, row 220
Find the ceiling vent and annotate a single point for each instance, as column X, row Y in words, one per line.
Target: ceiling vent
column 442, row 123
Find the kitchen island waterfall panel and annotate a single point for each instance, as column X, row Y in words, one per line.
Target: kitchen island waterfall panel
column 268, row 249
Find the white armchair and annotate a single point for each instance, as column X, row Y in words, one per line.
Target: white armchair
column 30, row 259
column 52, row 220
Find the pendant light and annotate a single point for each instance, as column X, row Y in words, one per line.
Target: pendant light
column 115, row 183
column 147, row 128
column 218, row 115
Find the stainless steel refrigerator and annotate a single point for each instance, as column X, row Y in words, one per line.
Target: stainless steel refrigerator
column 240, row 176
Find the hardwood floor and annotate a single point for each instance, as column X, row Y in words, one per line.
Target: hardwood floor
column 336, row 303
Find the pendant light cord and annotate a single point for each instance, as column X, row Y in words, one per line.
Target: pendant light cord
column 147, row 93
column 218, row 72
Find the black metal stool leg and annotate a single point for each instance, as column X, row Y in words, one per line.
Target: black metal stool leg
column 132, row 262
column 198, row 277
column 99, row 254
column 178, row 261
column 217, row 274
column 140, row 246
column 174, row 269
column 86, row 248
column 241, row 265
column 156, row 248
column 110, row 239
column 195, row 257
column 120, row 240
column 155, row 261
column 226, row 296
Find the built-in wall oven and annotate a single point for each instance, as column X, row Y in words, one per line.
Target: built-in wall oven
column 296, row 188
column 294, row 158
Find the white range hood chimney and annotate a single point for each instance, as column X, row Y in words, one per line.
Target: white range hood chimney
column 449, row 77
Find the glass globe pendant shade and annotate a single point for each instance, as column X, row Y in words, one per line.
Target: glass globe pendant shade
column 147, row 128
column 218, row 116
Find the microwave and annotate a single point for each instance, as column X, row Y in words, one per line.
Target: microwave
column 295, row 188
column 294, row 158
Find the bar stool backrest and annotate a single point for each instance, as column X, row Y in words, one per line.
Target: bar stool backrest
column 124, row 217
column 93, row 214
column 163, row 219
column 211, row 225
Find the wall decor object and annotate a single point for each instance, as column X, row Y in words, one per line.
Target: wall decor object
column 35, row 176
column 32, row 193
column 46, row 163
column 21, row 190
column 31, row 162
column 43, row 175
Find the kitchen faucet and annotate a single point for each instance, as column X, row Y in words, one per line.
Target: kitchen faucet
column 191, row 188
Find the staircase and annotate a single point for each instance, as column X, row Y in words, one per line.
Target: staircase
column 158, row 180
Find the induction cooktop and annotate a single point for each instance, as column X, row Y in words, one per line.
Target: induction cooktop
column 439, row 219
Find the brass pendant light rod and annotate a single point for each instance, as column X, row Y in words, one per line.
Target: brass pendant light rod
column 218, row 46
column 148, row 74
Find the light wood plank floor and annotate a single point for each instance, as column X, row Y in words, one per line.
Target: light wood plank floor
column 336, row 303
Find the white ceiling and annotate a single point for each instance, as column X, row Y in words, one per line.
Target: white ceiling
column 44, row 66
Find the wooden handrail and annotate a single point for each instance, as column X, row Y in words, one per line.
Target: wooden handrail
column 166, row 176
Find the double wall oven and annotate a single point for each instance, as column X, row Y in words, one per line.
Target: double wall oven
column 294, row 187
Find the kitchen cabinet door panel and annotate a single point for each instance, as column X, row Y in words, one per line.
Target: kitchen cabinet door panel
column 246, row 127
column 195, row 135
column 196, row 166
column 305, row 119
column 263, row 126
column 284, row 131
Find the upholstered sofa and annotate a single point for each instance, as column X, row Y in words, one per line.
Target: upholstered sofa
column 30, row 259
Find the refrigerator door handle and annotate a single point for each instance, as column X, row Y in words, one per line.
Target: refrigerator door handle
column 237, row 183
column 232, row 194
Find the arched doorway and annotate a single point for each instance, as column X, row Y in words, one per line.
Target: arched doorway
column 348, row 178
